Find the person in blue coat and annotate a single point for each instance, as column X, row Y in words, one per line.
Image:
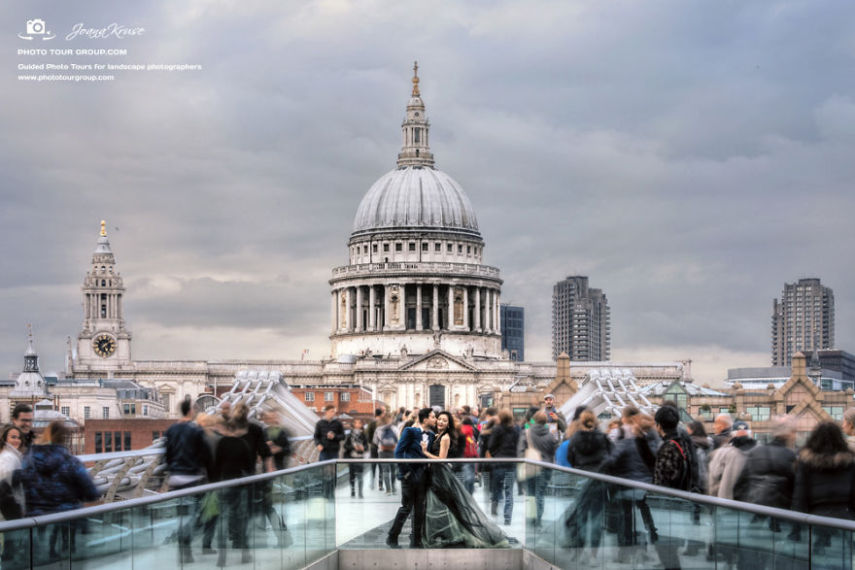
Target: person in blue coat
column 412, row 477
column 56, row 481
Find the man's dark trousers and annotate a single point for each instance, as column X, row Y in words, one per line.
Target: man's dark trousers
column 412, row 500
column 329, row 482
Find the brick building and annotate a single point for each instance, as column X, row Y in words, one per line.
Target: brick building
column 106, row 436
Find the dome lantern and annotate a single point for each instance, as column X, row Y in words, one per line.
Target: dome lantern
column 415, row 151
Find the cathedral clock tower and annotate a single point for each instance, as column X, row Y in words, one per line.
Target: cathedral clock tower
column 104, row 344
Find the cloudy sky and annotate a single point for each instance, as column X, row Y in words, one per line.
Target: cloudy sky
column 689, row 157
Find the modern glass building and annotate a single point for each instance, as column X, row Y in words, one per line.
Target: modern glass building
column 802, row 321
column 581, row 322
column 513, row 331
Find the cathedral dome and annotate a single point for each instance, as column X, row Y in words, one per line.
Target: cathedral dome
column 415, row 198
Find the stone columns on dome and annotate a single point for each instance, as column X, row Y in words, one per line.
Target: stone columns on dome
column 419, row 307
column 435, row 309
column 450, row 320
column 498, row 313
column 466, row 308
column 372, row 309
column 477, row 323
column 334, row 301
column 360, row 325
column 491, row 327
column 348, row 321
column 386, row 317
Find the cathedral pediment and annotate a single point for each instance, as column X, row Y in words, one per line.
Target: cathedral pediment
column 436, row 361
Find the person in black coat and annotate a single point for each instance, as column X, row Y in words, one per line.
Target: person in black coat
column 825, row 479
column 329, row 433
column 503, row 443
column 233, row 459
column 588, row 447
column 769, row 475
column 588, row 450
column 632, row 459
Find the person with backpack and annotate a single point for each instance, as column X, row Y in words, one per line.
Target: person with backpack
column 385, row 439
column 673, row 467
column 469, row 441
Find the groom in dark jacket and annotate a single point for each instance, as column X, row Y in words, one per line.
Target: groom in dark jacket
column 412, row 478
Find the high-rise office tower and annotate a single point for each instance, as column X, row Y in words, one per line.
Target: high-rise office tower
column 580, row 321
column 802, row 320
column 513, row 331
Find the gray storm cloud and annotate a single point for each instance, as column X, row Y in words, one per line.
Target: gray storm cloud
column 689, row 157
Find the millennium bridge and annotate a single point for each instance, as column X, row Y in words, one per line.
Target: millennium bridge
column 325, row 527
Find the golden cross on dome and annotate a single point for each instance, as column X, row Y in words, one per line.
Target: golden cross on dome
column 415, row 79
column 104, row 228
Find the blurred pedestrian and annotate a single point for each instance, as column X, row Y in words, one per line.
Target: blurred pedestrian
column 769, row 472
column 386, row 439
column 633, row 459
column 587, row 449
column 469, row 440
column 279, row 442
column 728, row 462
column 355, row 445
column 188, row 460
column 722, row 430
column 504, row 438
column 213, row 426
column 56, row 481
column 485, row 428
column 825, row 480
column 234, row 459
column 703, row 448
column 539, row 438
column 373, row 450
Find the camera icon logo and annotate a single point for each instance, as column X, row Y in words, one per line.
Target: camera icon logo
column 36, row 28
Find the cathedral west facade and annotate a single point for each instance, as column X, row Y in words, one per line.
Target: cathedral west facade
column 414, row 315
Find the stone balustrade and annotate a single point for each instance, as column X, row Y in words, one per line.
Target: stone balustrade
column 469, row 269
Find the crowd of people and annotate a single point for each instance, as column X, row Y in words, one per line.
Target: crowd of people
column 818, row 478
column 222, row 446
column 40, row 476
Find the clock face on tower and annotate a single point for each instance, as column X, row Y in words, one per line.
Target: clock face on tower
column 104, row 345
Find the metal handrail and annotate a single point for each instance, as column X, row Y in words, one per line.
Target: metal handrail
column 781, row 514
column 40, row 520
column 147, row 452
